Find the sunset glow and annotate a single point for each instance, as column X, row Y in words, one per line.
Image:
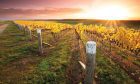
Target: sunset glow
column 74, row 9
column 111, row 13
column 108, row 12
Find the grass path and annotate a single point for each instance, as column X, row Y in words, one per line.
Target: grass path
column 17, row 58
column 3, row 27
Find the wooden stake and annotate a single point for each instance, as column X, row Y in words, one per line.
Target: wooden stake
column 40, row 41
column 30, row 33
column 90, row 65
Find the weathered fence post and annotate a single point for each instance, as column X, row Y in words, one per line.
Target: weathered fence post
column 90, row 62
column 40, row 41
column 24, row 30
column 19, row 26
column 30, row 33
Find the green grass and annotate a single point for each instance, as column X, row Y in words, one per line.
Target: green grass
column 21, row 64
column 110, row 73
column 17, row 50
column 16, row 53
column 52, row 69
column 137, row 62
column 14, row 44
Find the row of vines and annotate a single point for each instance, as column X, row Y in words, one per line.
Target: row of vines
column 124, row 38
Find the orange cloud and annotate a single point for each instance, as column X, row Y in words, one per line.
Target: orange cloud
column 24, row 13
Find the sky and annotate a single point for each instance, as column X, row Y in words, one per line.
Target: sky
column 62, row 9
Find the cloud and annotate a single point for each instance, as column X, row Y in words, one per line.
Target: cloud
column 27, row 13
column 59, row 8
column 43, row 3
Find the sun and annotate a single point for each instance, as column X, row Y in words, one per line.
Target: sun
column 108, row 12
column 111, row 13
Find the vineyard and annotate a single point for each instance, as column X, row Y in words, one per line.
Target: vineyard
column 117, row 57
column 124, row 38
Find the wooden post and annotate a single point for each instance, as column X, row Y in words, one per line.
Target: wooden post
column 40, row 41
column 110, row 45
column 19, row 26
column 30, row 33
column 90, row 62
column 24, row 30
